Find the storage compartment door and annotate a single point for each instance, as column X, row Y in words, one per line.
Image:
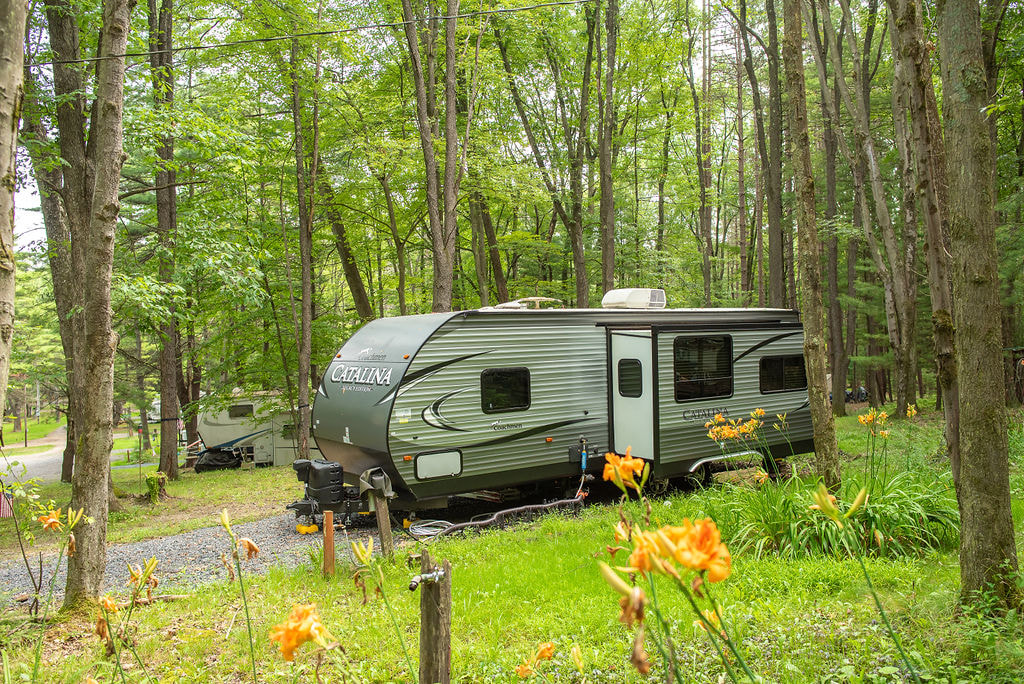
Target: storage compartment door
column 632, row 391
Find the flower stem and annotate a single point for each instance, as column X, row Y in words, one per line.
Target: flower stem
column 885, row 619
column 113, row 643
column 710, row 629
column 248, row 619
column 669, row 656
column 46, row 610
column 394, row 623
column 728, row 639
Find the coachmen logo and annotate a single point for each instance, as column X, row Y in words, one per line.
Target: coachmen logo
column 361, row 375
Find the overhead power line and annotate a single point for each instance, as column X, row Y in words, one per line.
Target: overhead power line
column 313, row 34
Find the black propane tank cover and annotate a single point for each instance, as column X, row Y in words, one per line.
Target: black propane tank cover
column 301, row 467
column 325, row 474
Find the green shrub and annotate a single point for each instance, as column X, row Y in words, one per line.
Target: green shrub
column 903, row 517
column 155, row 482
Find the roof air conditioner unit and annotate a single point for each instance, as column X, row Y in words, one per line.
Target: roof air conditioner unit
column 634, row 298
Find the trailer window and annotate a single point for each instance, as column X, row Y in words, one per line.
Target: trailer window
column 505, row 389
column 240, row 411
column 702, row 367
column 782, row 374
column 631, row 378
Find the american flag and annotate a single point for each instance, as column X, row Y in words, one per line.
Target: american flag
column 5, row 505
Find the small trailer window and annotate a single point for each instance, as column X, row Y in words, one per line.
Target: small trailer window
column 782, row 374
column 631, row 378
column 702, row 367
column 505, row 389
column 240, row 411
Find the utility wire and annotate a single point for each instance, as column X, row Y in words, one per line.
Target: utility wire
column 312, row 34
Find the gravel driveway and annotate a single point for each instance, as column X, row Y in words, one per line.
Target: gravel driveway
column 190, row 558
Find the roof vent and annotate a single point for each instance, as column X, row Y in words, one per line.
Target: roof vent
column 634, row 298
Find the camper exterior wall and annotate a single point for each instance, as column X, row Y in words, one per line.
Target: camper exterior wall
column 564, row 357
column 682, row 433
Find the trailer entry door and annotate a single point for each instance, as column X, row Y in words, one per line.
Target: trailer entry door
column 632, row 391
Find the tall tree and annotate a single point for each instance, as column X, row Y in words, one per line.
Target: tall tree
column 826, row 452
column 12, row 45
column 929, row 156
column 161, row 51
column 304, row 181
column 421, row 33
column 988, row 554
column 607, row 205
column 893, row 252
column 95, row 173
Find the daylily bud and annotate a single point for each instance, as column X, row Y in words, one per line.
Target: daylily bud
column 613, row 579
column 825, row 502
column 225, row 521
column 862, row 497
column 363, row 553
column 577, row 658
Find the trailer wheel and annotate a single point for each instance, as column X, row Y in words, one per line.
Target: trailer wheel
column 702, row 477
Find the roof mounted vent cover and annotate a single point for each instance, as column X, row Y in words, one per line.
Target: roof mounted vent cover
column 634, row 298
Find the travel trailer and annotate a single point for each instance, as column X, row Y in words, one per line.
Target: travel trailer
column 252, row 429
column 436, row 405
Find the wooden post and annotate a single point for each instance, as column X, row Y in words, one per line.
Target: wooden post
column 380, row 507
column 328, row 543
column 435, row 624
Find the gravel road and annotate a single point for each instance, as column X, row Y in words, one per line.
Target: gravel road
column 187, row 559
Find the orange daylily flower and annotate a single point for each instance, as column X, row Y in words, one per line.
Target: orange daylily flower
column 545, row 651
column 109, row 604
column 623, row 470
column 525, row 670
column 301, row 626
column 51, row 521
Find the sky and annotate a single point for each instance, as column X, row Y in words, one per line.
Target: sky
column 28, row 220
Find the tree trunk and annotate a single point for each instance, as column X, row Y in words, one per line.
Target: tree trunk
column 161, row 65
column 353, row 278
column 140, row 388
column 741, row 190
column 479, row 245
column 305, row 257
column 607, row 210
column 12, row 46
column 930, row 165
column 773, row 175
column 90, row 484
column 497, row 273
column 894, row 256
column 988, row 555
column 702, row 153
column 836, row 347
column 812, row 294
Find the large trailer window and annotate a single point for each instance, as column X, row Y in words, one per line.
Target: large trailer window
column 240, row 411
column 782, row 374
column 505, row 389
column 702, row 367
column 631, row 378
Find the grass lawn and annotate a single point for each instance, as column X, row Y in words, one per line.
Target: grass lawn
column 14, row 453
column 35, row 430
column 806, row 618
column 195, row 501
